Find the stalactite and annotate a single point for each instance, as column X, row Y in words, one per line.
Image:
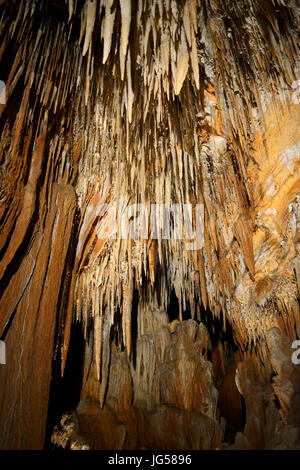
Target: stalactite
column 107, row 29
column 163, row 103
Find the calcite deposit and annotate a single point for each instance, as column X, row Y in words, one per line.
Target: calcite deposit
column 150, row 224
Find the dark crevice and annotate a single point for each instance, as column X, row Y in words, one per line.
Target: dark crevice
column 65, row 391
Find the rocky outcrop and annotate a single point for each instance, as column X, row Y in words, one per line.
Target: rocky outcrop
column 190, row 415
column 163, row 392
column 272, row 411
column 149, row 174
column 286, row 381
column 29, row 324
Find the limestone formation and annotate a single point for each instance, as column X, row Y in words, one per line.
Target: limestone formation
column 149, row 192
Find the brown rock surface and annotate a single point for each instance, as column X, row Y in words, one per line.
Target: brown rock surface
column 115, row 106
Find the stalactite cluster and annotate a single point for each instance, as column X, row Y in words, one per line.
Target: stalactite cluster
column 111, row 103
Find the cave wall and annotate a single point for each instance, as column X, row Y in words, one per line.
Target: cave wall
column 193, row 102
column 32, row 314
column 174, row 398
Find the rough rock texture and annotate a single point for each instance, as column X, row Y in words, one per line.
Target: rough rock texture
column 286, row 382
column 170, row 387
column 178, row 422
column 270, row 425
column 31, row 314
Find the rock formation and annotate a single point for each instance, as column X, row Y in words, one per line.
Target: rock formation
column 149, row 194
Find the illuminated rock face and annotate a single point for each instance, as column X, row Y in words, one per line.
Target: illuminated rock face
column 193, row 103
